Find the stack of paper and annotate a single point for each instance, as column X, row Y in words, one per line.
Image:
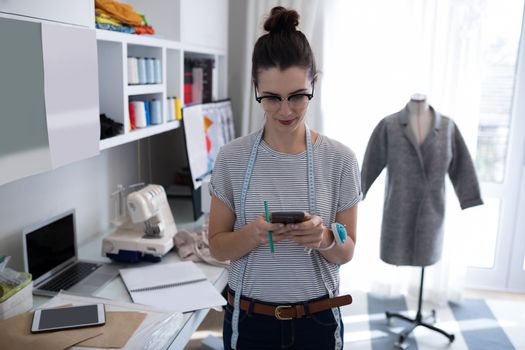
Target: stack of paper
column 179, row 286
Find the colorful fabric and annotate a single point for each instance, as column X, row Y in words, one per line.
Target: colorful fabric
column 102, row 17
column 124, row 13
column 144, row 30
column 115, row 28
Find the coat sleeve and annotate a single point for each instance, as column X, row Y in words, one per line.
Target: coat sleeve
column 463, row 174
column 375, row 157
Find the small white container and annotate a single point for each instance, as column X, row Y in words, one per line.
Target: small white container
column 18, row 303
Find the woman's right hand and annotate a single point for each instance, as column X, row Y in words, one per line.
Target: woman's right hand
column 260, row 228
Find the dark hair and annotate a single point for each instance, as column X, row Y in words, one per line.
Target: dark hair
column 283, row 46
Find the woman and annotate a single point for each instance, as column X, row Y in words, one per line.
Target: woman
column 287, row 299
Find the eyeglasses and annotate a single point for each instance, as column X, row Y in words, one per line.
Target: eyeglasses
column 272, row 103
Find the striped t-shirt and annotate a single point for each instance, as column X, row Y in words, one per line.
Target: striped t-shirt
column 281, row 180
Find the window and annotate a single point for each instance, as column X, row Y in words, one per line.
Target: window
column 462, row 55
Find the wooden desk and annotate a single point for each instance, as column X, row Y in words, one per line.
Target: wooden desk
column 116, row 290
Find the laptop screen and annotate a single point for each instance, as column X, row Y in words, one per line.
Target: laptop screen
column 50, row 245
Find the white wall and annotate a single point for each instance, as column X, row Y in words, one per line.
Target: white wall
column 85, row 186
column 237, row 58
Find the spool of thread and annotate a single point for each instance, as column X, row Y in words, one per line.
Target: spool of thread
column 158, row 72
column 140, row 114
column 141, row 62
column 148, row 112
column 132, row 118
column 133, row 73
column 178, row 109
column 171, row 109
column 150, row 70
column 156, row 112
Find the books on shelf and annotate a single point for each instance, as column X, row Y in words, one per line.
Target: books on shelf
column 196, row 88
column 179, row 286
column 198, row 80
column 188, row 82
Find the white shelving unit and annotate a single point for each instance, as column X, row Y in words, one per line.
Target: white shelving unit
column 114, row 48
column 114, row 92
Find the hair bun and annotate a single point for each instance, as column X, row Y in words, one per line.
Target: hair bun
column 281, row 20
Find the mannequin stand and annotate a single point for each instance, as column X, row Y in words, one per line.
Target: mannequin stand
column 419, row 320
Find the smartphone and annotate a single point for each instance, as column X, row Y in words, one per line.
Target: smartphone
column 287, row 217
column 68, row 317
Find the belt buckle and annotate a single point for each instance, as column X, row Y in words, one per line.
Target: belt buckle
column 278, row 312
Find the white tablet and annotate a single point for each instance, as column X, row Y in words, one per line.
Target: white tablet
column 68, row 317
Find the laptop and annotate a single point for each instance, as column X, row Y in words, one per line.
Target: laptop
column 51, row 256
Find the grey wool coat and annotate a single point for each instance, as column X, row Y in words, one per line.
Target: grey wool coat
column 414, row 204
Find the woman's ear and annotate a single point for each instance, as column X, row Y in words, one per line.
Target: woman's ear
column 316, row 77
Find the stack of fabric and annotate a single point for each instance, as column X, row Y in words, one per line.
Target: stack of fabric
column 112, row 15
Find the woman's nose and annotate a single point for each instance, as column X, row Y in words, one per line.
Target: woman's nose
column 284, row 108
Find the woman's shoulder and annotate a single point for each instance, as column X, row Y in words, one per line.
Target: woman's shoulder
column 242, row 144
column 335, row 148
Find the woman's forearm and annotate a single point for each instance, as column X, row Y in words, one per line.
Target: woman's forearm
column 232, row 245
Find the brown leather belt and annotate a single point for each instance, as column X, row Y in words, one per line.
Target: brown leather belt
column 288, row 312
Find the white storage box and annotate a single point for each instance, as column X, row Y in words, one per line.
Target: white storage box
column 20, row 301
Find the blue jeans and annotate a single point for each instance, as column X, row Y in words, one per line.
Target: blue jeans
column 256, row 331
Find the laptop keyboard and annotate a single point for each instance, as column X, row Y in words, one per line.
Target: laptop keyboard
column 70, row 277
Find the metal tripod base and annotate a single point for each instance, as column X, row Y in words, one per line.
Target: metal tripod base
column 419, row 320
column 415, row 322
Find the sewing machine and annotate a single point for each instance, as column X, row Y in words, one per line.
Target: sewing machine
column 149, row 236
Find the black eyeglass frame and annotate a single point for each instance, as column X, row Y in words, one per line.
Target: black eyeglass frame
column 281, row 99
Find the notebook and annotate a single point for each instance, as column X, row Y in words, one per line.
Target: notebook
column 179, row 286
column 51, row 256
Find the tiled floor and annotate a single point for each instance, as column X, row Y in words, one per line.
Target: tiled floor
column 212, row 324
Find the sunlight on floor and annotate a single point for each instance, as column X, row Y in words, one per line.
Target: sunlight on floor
column 363, row 335
column 477, row 324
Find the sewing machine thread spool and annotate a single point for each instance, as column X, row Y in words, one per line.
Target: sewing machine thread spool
column 171, row 109
column 133, row 71
column 150, row 70
column 156, row 112
column 158, row 71
column 141, row 62
column 140, row 114
column 132, row 116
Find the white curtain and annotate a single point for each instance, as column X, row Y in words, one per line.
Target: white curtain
column 376, row 55
column 255, row 13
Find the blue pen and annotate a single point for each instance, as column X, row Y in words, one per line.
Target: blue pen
column 270, row 238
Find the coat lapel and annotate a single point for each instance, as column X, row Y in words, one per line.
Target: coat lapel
column 431, row 137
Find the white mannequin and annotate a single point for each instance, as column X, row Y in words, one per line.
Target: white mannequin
column 419, row 116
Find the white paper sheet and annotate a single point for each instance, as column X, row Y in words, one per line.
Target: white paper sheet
column 193, row 119
column 179, row 286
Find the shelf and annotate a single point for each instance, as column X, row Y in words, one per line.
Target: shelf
column 114, row 49
column 145, row 89
column 194, row 49
column 146, row 40
column 138, row 134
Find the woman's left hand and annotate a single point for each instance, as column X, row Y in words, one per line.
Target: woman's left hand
column 308, row 233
